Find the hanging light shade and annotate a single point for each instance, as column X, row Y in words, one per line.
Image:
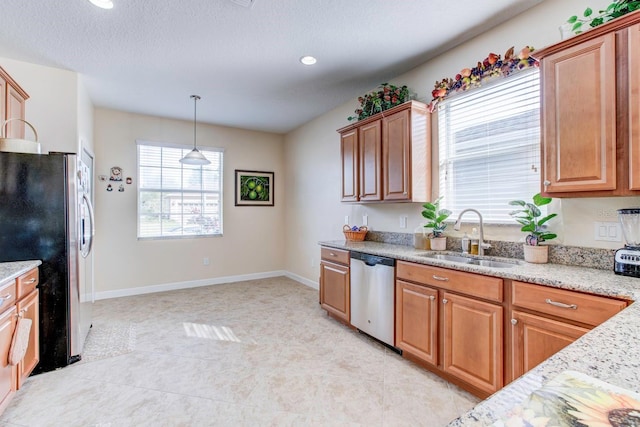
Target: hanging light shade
column 194, row 157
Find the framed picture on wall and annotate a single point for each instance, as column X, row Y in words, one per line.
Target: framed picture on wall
column 254, row 188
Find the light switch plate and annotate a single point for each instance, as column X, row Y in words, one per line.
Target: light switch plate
column 403, row 221
column 346, row 220
column 365, row 219
column 607, row 231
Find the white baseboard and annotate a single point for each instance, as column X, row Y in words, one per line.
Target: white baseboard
column 303, row 280
column 198, row 283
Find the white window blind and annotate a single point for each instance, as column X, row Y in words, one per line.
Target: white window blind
column 175, row 199
column 489, row 147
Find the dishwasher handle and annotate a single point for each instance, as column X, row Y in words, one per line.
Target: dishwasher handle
column 373, row 260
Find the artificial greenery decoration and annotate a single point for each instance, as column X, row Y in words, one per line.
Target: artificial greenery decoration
column 529, row 216
column 386, row 97
column 492, row 66
column 436, row 217
column 614, row 10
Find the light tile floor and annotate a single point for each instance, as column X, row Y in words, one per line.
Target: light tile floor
column 254, row 353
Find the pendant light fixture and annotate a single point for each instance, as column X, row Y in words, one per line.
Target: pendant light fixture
column 194, row 157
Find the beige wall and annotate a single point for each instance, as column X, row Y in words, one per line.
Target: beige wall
column 53, row 104
column 313, row 154
column 253, row 236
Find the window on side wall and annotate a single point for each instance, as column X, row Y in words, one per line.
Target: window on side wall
column 176, row 200
column 489, row 147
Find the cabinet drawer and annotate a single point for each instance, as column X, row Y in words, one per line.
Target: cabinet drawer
column 485, row 287
column 335, row 255
column 7, row 295
column 576, row 306
column 27, row 283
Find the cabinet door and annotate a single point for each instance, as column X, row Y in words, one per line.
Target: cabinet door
column 3, row 97
column 634, row 107
column 15, row 109
column 579, row 117
column 334, row 289
column 7, row 372
column 370, row 161
column 396, row 155
column 473, row 341
column 349, row 150
column 536, row 338
column 417, row 320
column 28, row 309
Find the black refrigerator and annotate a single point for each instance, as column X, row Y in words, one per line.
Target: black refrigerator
column 46, row 214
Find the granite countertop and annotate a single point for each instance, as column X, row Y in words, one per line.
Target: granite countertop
column 610, row 352
column 11, row 270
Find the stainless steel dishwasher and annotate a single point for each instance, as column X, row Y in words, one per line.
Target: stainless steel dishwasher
column 372, row 295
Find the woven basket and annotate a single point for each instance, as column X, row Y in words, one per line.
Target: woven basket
column 356, row 236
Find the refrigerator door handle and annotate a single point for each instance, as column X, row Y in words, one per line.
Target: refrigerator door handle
column 93, row 228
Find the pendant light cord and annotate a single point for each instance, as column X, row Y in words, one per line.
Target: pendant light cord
column 195, row 102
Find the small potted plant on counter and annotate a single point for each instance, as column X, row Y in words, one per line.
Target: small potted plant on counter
column 529, row 217
column 436, row 218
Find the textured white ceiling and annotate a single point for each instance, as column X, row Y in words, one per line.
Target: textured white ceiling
column 148, row 56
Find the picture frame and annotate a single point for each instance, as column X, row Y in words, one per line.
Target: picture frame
column 254, row 188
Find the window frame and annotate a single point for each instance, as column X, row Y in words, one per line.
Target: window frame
column 208, row 152
column 446, row 161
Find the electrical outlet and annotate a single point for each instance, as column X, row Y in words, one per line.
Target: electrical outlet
column 607, row 231
column 346, row 219
column 365, row 219
column 206, row 261
column 403, row 221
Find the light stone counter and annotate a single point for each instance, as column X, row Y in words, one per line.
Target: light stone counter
column 610, row 352
column 11, row 270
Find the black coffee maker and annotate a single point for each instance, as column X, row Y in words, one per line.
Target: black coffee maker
column 627, row 259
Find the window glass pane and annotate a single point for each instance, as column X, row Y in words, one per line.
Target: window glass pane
column 490, row 147
column 176, row 200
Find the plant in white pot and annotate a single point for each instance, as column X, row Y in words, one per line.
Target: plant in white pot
column 436, row 218
column 529, row 217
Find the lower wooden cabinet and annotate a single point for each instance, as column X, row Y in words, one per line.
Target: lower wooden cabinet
column 417, row 320
column 536, row 338
column 473, row 341
column 19, row 298
column 7, row 371
column 28, row 309
column 335, row 281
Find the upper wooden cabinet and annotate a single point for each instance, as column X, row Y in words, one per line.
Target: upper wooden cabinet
column 634, row 106
column 392, row 161
column 590, row 102
column 12, row 100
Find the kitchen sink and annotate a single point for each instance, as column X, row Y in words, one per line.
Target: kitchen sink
column 471, row 261
column 491, row 263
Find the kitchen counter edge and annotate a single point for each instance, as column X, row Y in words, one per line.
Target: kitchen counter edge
column 12, row 270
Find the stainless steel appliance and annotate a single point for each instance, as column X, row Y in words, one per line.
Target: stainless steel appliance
column 372, row 295
column 45, row 214
column 627, row 259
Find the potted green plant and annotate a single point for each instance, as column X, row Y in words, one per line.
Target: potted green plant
column 614, row 10
column 436, row 217
column 529, row 216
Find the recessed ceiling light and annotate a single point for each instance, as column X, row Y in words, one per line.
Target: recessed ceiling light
column 308, row 60
column 104, row 4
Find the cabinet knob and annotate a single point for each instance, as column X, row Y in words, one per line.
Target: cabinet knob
column 432, row 297
column 546, row 183
column 33, row 279
column 514, row 321
column 444, row 300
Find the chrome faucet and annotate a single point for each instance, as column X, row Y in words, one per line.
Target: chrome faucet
column 481, row 244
